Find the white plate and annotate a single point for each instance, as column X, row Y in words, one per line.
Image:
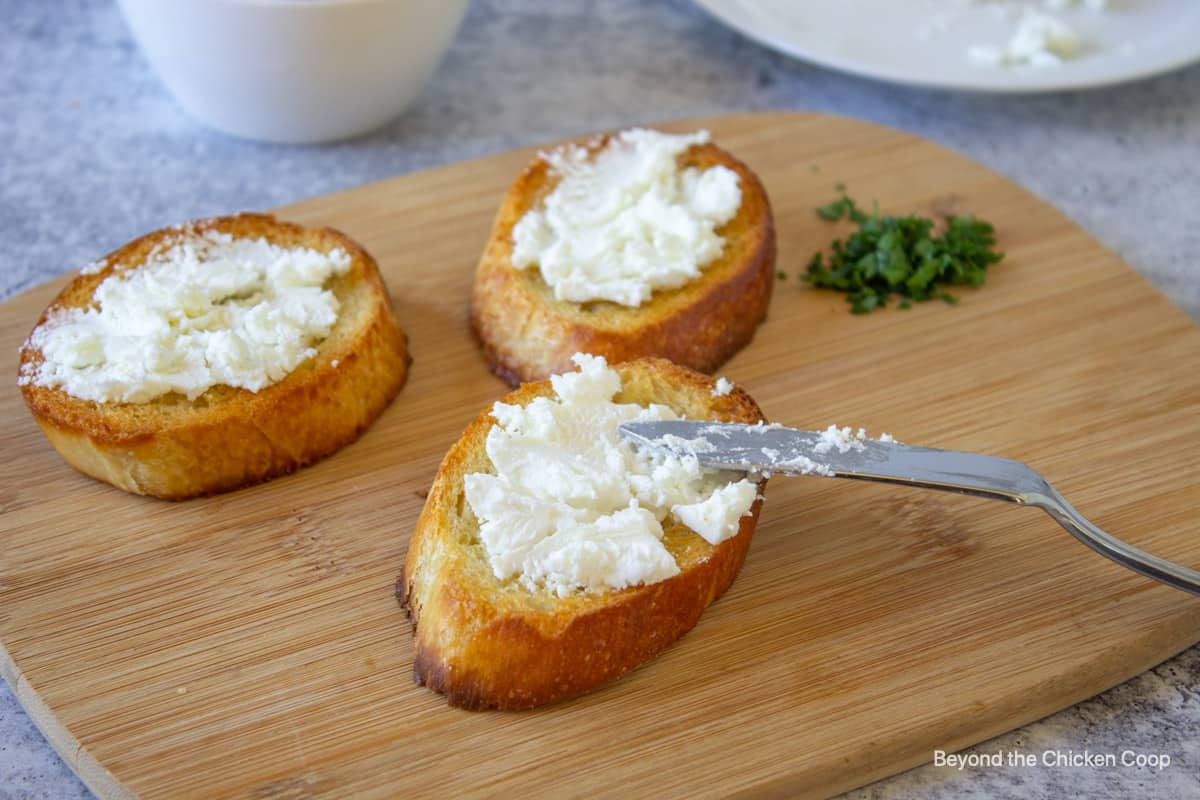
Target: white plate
column 924, row 42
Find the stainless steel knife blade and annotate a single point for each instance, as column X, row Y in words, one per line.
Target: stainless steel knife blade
column 779, row 450
column 775, row 449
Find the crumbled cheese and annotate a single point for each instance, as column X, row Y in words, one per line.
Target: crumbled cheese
column 1039, row 40
column 716, row 517
column 841, row 438
column 1032, row 37
column 804, row 465
column 723, row 387
column 626, row 221
column 572, row 506
column 717, row 429
column 203, row 310
column 678, row 443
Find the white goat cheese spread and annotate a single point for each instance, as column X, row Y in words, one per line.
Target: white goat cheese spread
column 572, row 506
column 205, row 310
column 625, row 221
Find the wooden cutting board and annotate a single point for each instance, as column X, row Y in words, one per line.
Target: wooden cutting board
column 249, row 645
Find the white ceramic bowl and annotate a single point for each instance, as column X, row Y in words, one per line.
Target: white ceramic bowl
column 294, row 70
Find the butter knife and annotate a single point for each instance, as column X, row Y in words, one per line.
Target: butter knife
column 776, row 450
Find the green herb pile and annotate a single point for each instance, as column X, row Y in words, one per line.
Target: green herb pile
column 901, row 256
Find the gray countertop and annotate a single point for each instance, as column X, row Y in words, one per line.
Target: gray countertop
column 95, row 152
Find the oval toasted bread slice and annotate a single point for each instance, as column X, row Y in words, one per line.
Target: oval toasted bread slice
column 492, row 644
column 226, row 438
column 527, row 334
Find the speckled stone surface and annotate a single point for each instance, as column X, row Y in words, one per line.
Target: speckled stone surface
column 96, row 152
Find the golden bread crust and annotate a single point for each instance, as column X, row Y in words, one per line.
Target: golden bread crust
column 488, row 644
column 227, row 438
column 526, row 334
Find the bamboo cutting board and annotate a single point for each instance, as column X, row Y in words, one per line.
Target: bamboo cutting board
column 249, row 645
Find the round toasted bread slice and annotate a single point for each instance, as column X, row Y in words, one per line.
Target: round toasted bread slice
column 492, row 644
column 527, row 334
column 226, row 438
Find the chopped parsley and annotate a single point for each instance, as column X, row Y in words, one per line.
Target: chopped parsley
column 902, row 256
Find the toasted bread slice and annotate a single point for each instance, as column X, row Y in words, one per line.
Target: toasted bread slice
column 527, row 334
column 487, row 643
column 175, row 448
